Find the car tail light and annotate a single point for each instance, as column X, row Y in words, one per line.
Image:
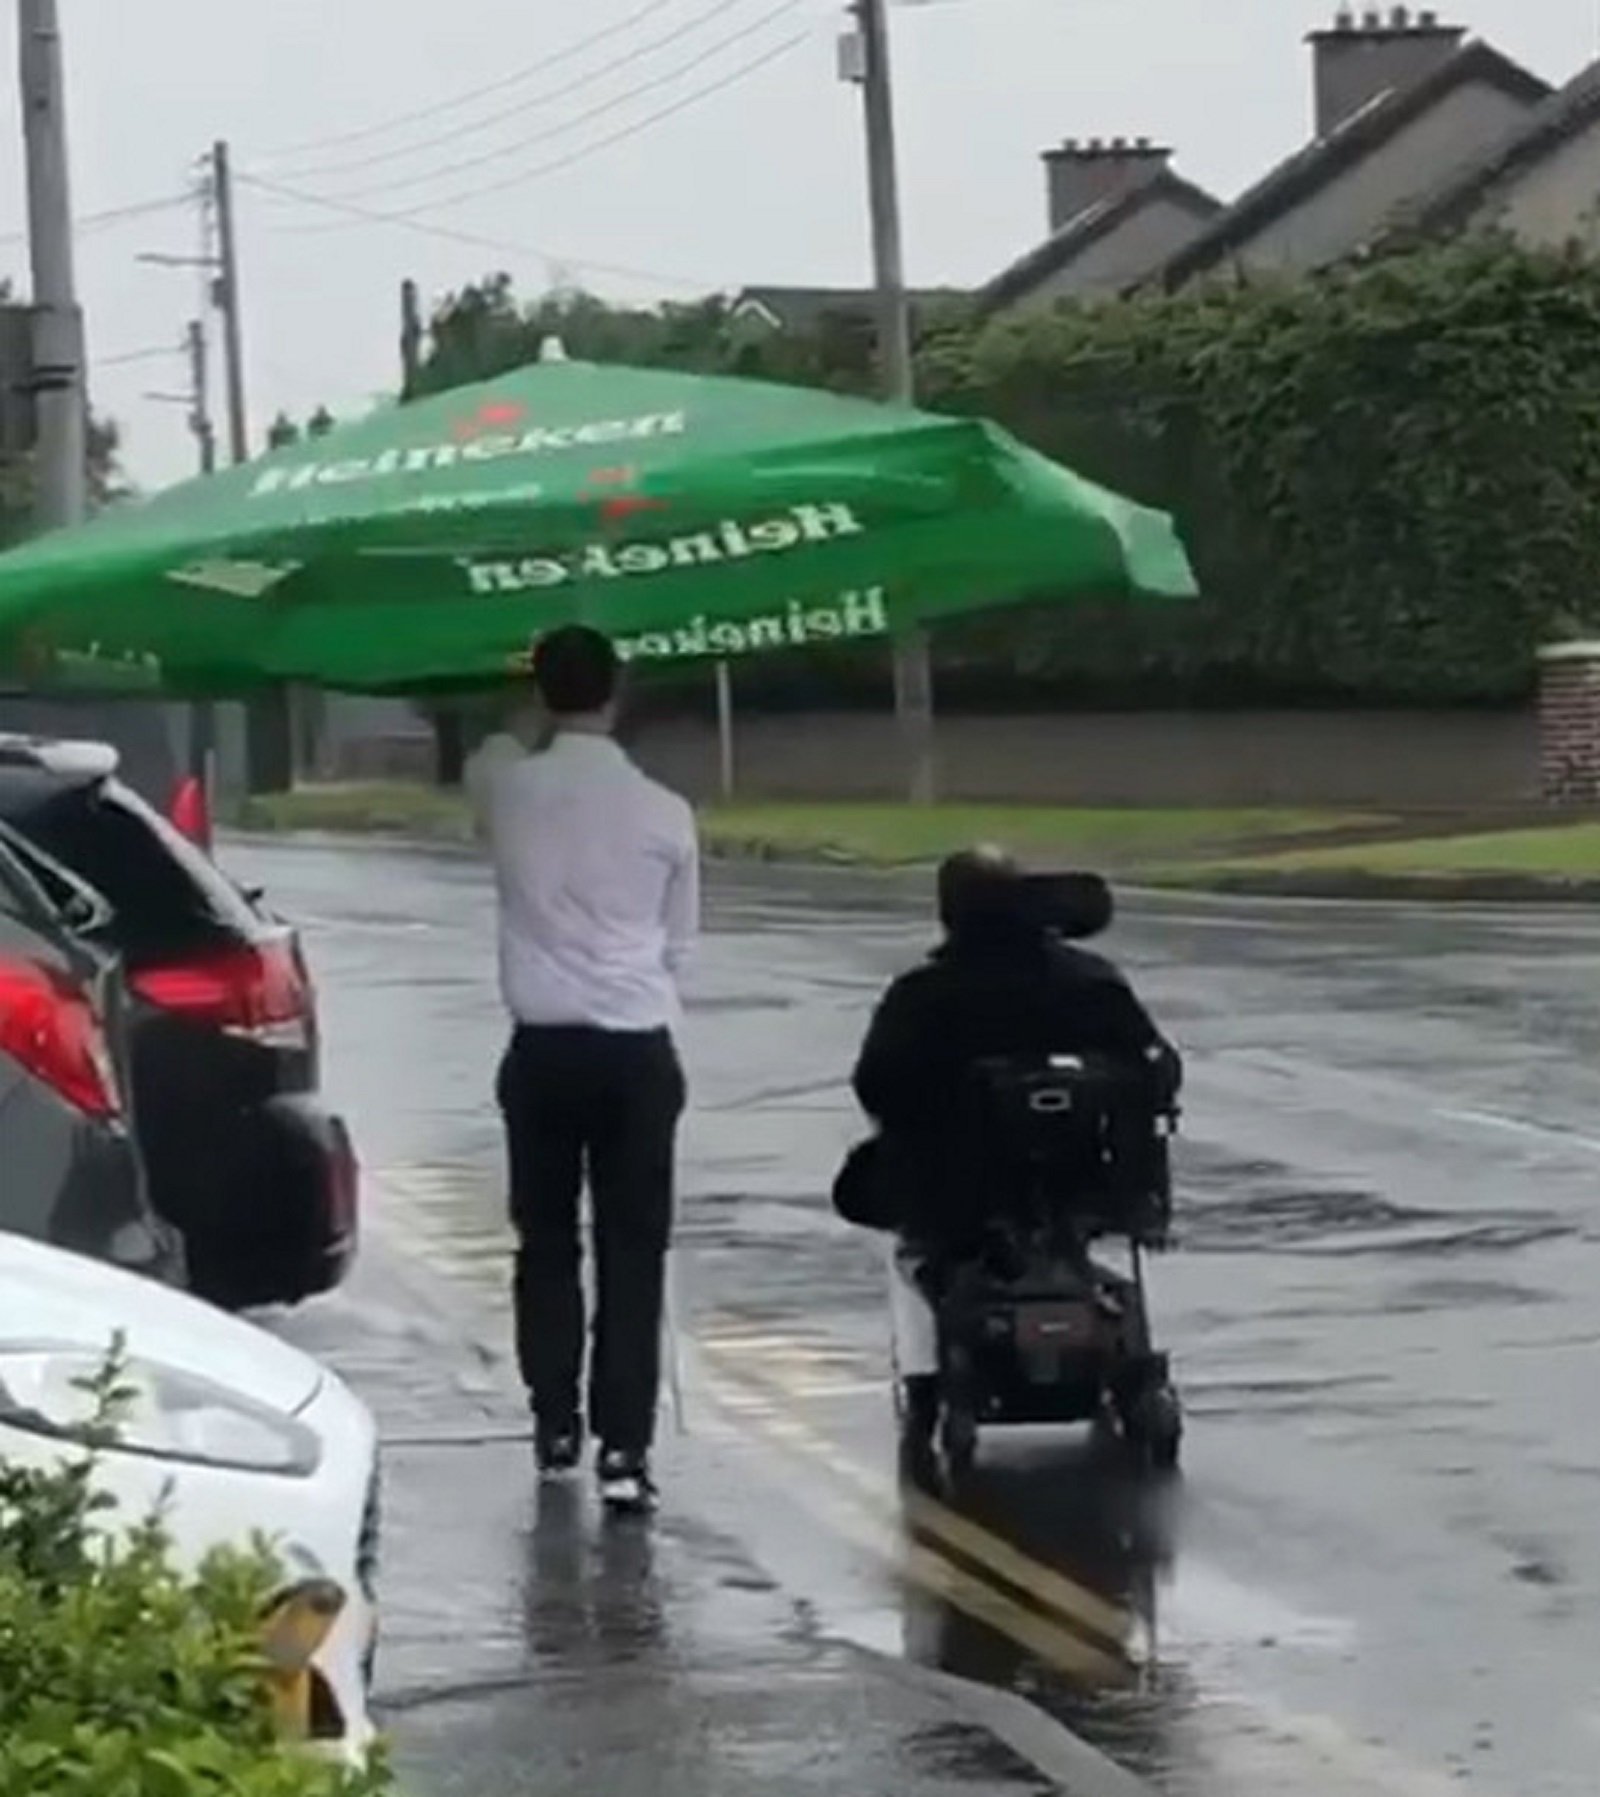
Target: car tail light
column 190, row 814
column 50, row 1028
column 259, row 994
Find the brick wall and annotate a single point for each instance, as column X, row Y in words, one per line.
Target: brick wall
column 1569, row 723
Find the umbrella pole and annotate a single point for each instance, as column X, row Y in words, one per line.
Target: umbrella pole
column 725, row 730
column 674, row 1359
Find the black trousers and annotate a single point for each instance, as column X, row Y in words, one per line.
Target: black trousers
column 603, row 1106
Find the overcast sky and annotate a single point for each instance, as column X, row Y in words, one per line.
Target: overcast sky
column 755, row 176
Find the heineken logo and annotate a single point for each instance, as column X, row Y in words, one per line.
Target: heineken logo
column 863, row 612
column 492, row 415
column 731, row 540
column 490, row 438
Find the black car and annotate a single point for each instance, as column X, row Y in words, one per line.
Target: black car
column 241, row 1155
column 70, row 1172
column 151, row 739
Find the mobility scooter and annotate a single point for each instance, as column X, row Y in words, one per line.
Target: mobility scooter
column 1072, row 1150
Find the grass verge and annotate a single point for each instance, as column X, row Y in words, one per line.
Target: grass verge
column 869, row 835
column 1550, row 861
column 376, row 808
column 1265, row 850
column 875, row 835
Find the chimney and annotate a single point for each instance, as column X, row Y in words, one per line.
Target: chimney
column 1352, row 63
column 1081, row 175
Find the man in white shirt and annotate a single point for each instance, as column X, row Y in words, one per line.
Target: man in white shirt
column 522, row 731
column 597, row 869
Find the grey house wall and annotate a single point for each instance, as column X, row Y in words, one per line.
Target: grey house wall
column 1159, row 228
column 1351, row 207
column 1556, row 201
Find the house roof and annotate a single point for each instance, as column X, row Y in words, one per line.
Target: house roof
column 1086, row 228
column 1325, row 158
column 1567, row 112
column 804, row 308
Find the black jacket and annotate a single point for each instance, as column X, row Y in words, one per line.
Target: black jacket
column 1014, row 995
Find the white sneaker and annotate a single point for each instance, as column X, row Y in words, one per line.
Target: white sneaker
column 625, row 1483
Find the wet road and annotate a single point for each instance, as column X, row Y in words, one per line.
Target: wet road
column 1382, row 1571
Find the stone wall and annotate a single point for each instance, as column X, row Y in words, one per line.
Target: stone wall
column 1471, row 760
column 1351, row 758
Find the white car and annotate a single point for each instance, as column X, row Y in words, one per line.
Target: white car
column 238, row 1433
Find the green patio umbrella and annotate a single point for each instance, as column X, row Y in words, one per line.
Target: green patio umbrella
column 688, row 516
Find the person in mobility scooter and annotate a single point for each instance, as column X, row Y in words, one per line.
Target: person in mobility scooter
column 1023, row 1100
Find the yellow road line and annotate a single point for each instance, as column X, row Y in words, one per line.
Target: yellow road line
column 1083, row 1608
column 1272, row 1747
column 863, row 1522
column 1075, row 1601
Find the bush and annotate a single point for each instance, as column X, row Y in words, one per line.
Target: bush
column 122, row 1676
column 1388, row 475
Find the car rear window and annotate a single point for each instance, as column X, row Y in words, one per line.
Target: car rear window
column 161, row 887
column 16, row 900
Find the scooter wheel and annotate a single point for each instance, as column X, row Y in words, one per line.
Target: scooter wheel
column 1153, row 1427
column 958, row 1441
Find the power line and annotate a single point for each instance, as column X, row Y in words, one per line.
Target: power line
column 399, row 120
column 98, row 220
column 137, row 355
column 653, row 85
column 473, row 126
column 451, row 234
column 741, row 72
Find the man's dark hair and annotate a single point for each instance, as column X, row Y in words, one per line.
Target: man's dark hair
column 979, row 892
column 576, row 670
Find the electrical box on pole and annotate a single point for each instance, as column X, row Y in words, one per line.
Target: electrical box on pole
column 19, row 415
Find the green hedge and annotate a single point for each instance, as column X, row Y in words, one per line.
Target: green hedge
column 1388, row 476
column 121, row 1676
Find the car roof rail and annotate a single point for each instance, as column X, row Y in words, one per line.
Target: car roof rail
column 61, row 756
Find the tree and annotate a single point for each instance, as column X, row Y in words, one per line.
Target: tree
column 484, row 330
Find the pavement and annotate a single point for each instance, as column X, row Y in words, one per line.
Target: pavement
column 1378, row 1577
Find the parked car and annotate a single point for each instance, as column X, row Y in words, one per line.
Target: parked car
column 230, row 1432
column 148, row 736
column 70, row 1171
column 241, row 1154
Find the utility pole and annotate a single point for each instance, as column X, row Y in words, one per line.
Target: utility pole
column 202, row 714
column 201, row 757
column 204, row 431
column 445, row 718
column 868, row 63
column 62, row 404
column 410, row 339
column 225, row 291
column 269, row 725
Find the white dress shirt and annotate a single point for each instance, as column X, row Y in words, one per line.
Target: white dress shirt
column 598, row 873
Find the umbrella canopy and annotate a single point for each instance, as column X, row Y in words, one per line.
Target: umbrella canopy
column 685, row 515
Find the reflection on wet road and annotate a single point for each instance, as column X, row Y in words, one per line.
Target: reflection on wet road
column 1381, row 1572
